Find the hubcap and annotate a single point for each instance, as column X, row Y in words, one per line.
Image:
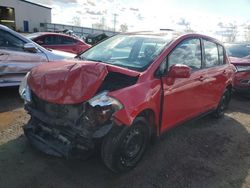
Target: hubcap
column 131, row 146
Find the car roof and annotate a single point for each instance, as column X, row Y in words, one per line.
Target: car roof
column 172, row 34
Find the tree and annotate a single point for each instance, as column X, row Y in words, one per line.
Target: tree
column 76, row 21
column 123, row 28
column 186, row 24
column 247, row 33
column 228, row 31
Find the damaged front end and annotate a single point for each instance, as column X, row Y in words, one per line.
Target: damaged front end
column 69, row 130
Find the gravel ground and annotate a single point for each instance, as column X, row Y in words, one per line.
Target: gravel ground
column 205, row 153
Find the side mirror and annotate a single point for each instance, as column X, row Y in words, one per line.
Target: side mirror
column 30, row 47
column 179, row 71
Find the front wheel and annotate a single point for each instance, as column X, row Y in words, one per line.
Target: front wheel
column 223, row 104
column 124, row 147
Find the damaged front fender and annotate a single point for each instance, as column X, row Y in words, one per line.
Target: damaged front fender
column 137, row 98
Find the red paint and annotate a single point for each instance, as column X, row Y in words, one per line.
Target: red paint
column 180, row 71
column 184, row 98
column 177, row 99
column 241, row 75
column 75, row 47
column 67, row 82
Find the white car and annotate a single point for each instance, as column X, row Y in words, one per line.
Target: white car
column 18, row 55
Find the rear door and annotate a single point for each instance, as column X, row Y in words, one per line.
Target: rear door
column 14, row 61
column 216, row 72
column 183, row 97
column 68, row 44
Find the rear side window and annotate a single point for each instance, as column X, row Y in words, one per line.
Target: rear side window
column 67, row 40
column 10, row 42
column 221, row 55
column 211, row 54
column 188, row 52
column 48, row 40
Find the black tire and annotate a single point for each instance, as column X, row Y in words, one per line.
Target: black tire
column 223, row 104
column 124, row 147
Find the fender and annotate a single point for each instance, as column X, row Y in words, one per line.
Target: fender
column 137, row 98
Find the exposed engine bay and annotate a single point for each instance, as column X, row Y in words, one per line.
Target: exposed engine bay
column 70, row 130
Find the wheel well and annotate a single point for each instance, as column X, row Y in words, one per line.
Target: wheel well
column 230, row 87
column 150, row 117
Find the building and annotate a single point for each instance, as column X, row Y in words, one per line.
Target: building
column 24, row 16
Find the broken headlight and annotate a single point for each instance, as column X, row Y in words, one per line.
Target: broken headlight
column 24, row 89
column 104, row 106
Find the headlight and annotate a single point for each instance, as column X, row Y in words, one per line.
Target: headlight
column 103, row 106
column 242, row 68
column 103, row 100
column 24, row 89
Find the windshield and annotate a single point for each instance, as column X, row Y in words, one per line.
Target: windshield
column 238, row 50
column 134, row 52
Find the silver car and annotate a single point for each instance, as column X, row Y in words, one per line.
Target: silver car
column 19, row 54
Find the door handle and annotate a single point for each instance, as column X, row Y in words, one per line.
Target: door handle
column 202, row 78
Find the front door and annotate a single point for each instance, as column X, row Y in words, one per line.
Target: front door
column 183, row 96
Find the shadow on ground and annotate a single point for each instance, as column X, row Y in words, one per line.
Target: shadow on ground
column 10, row 99
column 205, row 153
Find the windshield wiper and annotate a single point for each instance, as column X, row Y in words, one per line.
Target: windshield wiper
column 87, row 59
column 96, row 60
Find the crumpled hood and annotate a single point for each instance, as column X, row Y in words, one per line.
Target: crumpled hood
column 67, row 82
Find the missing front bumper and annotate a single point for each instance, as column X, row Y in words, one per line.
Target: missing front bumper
column 62, row 141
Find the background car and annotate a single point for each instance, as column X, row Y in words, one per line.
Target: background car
column 19, row 54
column 240, row 58
column 95, row 38
column 59, row 41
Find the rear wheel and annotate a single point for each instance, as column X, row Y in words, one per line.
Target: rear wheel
column 223, row 104
column 124, row 147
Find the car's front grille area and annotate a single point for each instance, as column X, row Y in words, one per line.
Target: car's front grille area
column 62, row 111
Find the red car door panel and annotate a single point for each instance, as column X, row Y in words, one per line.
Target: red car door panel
column 183, row 97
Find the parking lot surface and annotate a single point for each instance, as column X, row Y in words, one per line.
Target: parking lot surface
column 203, row 153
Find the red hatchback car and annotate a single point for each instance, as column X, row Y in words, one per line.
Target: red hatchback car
column 126, row 90
column 240, row 58
column 59, row 41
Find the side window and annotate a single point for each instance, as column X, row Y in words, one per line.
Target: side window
column 48, row 40
column 211, row 54
column 58, row 40
column 188, row 52
column 10, row 42
column 67, row 40
column 221, row 54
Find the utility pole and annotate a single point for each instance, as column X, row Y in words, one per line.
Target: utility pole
column 115, row 15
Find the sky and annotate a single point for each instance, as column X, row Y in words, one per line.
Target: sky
column 202, row 15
